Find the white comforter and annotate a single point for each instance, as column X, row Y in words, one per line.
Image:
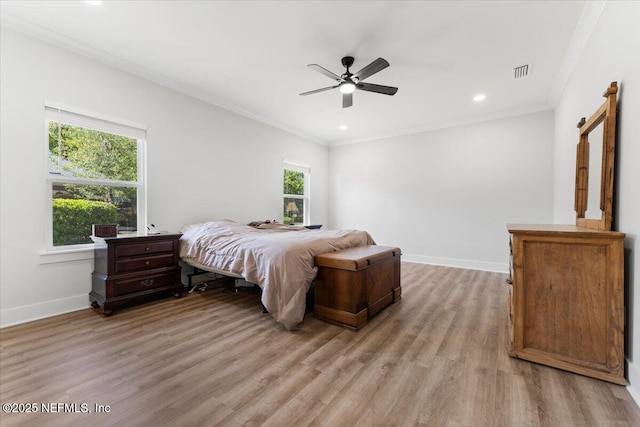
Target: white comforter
column 279, row 258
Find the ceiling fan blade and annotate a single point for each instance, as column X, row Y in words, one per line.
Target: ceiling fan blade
column 386, row 90
column 326, row 72
column 347, row 100
column 377, row 65
column 319, row 90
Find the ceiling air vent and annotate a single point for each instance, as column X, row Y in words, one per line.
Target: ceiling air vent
column 521, row 71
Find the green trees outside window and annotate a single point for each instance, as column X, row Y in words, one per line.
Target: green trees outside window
column 93, row 178
column 294, row 207
column 73, row 218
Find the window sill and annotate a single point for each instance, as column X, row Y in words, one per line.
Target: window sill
column 66, row 255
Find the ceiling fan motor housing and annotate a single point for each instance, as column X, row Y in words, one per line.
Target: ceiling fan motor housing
column 347, row 62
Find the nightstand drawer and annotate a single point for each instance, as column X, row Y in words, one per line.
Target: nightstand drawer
column 144, row 248
column 124, row 287
column 144, row 263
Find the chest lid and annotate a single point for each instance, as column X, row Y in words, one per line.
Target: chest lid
column 357, row 258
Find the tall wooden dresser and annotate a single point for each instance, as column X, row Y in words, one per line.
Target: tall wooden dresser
column 566, row 305
column 130, row 267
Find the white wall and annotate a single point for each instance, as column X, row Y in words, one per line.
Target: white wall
column 611, row 54
column 445, row 196
column 204, row 163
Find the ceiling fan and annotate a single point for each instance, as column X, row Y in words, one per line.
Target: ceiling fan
column 349, row 82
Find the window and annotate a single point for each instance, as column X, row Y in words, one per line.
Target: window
column 95, row 176
column 296, row 193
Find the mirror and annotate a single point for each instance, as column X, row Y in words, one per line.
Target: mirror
column 594, row 165
column 594, row 210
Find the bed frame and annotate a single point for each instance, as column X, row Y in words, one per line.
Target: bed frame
column 200, row 269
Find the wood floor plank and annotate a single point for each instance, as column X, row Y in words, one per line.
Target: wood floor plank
column 514, row 404
column 438, row 357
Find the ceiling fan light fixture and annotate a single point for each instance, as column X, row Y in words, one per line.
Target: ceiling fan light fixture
column 347, row 87
column 348, row 82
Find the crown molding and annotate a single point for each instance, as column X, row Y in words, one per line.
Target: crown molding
column 51, row 37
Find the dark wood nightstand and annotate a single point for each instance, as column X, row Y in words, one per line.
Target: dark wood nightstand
column 129, row 267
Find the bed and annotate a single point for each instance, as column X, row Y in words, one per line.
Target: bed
column 278, row 258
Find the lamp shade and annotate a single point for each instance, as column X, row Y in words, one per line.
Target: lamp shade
column 291, row 207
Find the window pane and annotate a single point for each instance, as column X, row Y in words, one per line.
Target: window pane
column 85, row 153
column 76, row 207
column 293, row 182
column 293, row 211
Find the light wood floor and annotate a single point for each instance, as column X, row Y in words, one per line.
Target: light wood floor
column 436, row 358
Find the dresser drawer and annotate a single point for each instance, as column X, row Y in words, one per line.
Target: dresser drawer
column 149, row 248
column 124, row 287
column 144, row 263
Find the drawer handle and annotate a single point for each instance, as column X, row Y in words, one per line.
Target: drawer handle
column 148, row 262
column 147, row 282
column 146, row 249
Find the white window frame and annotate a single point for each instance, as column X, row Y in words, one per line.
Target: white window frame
column 102, row 123
column 306, row 197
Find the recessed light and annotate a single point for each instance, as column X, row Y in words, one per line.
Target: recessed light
column 93, row 2
column 479, row 97
column 343, row 127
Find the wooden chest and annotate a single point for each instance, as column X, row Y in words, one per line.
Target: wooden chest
column 134, row 266
column 354, row 284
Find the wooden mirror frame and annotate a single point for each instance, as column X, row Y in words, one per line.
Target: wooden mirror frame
column 606, row 114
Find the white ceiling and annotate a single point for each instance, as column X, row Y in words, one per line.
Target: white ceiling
column 251, row 56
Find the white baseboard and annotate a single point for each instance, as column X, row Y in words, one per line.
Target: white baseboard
column 459, row 263
column 633, row 376
column 27, row 313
